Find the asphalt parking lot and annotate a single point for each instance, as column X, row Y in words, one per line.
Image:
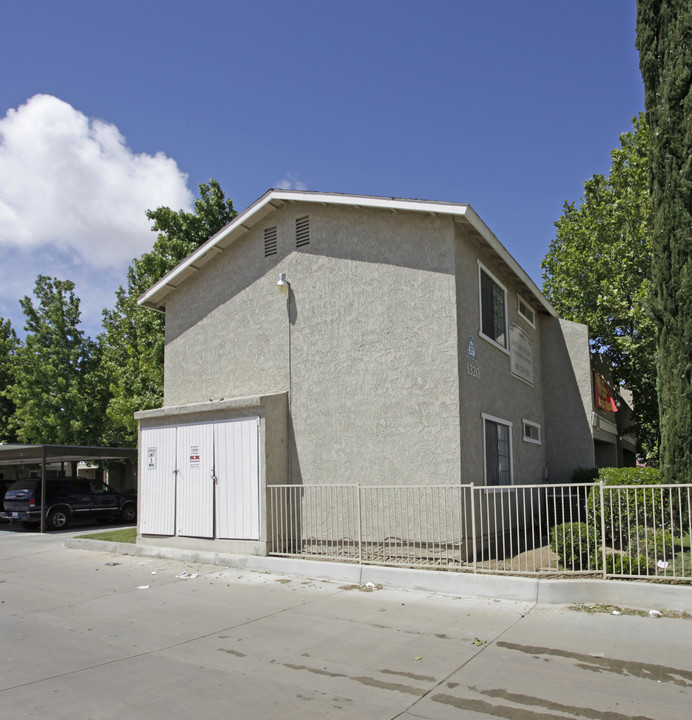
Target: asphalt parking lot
column 93, row 635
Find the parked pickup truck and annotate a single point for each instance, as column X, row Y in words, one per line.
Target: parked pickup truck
column 67, row 498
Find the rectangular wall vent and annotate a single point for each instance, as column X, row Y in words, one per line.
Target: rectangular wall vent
column 303, row 231
column 270, row 241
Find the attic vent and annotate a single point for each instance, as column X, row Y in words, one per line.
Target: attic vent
column 303, row 231
column 270, row 242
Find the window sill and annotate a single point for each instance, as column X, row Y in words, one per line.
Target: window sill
column 494, row 343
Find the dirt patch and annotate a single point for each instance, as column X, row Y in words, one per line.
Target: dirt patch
column 538, row 560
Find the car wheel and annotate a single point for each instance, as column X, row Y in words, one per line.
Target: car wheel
column 128, row 514
column 58, row 519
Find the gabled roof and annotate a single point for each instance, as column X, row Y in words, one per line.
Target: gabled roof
column 155, row 297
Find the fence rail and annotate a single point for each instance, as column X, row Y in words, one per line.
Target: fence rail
column 625, row 531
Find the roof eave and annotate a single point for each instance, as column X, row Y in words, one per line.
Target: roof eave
column 506, row 257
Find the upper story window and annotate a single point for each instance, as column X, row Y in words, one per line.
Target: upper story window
column 493, row 302
column 526, row 311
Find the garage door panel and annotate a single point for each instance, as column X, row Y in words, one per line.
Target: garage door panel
column 157, row 481
column 195, row 481
column 237, row 472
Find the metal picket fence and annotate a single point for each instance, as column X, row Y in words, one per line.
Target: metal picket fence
column 624, row 531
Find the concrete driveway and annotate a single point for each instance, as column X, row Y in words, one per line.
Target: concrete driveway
column 91, row 635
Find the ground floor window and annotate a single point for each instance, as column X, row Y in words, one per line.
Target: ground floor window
column 497, row 438
column 531, row 432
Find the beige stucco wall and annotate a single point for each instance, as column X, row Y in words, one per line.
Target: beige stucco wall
column 487, row 384
column 365, row 343
column 567, row 397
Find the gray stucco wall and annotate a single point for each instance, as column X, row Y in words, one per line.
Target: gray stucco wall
column 567, row 397
column 365, row 343
column 487, row 384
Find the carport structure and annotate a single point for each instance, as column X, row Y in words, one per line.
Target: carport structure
column 44, row 455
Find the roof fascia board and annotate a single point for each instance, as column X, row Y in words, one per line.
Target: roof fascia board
column 504, row 254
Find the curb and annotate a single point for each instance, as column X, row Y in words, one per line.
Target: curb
column 631, row 594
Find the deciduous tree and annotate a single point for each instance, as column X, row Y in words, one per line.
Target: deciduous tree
column 133, row 339
column 8, row 351
column 598, row 272
column 53, row 390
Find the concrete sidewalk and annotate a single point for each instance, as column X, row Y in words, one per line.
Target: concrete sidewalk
column 523, row 589
column 102, row 635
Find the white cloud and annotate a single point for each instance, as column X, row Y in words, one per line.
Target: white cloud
column 73, row 198
column 291, row 182
column 69, row 182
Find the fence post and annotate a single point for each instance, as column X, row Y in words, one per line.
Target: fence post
column 603, row 534
column 473, row 527
column 360, row 527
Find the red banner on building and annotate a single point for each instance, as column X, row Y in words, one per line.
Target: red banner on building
column 604, row 398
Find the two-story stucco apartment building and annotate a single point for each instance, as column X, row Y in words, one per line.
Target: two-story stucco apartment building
column 327, row 339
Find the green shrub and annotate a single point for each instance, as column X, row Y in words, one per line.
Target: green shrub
column 630, row 476
column 575, row 543
column 655, row 544
column 628, row 510
column 621, row 564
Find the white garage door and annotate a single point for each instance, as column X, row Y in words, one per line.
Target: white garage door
column 201, row 480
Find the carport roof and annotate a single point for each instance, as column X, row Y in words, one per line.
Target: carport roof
column 13, row 454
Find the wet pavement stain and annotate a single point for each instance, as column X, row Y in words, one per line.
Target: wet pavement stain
column 232, row 652
column 412, row 676
column 393, row 628
column 647, row 671
column 370, row 682
column 518, row 713
column 521, row 699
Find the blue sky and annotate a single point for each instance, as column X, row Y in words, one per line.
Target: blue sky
column 107, row 109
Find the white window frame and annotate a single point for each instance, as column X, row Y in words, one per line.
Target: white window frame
column 504, row 348
column 522, row 301
column 507, row 423
column 526, row 438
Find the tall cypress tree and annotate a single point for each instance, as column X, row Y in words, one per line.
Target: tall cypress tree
column 664, row 41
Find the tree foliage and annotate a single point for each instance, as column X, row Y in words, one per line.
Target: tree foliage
column 133, row 339
column 8, row 352
column 54, row 389
column 664, row 40
column 598, row 272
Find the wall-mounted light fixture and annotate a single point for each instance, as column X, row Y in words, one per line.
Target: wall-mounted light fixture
column 282, row 283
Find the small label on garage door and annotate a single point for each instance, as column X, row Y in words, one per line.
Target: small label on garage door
column 194, row 456
column 151, row 458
